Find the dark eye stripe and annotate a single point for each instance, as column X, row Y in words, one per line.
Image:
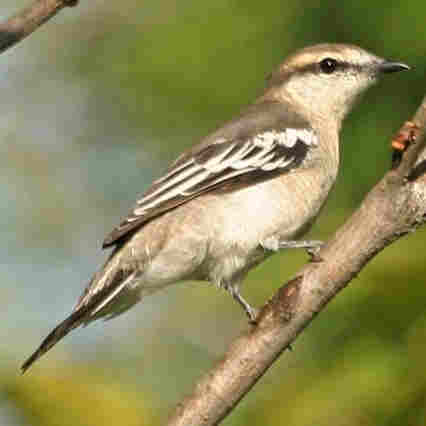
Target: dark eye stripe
column 314, row 68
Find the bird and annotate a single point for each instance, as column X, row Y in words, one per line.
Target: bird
column 250, row 188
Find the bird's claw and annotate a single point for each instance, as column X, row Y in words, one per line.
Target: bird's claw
column 313, row 253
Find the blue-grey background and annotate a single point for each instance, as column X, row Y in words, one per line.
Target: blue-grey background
column 93, row 106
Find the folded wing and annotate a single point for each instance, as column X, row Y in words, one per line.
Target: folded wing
column 224, row 161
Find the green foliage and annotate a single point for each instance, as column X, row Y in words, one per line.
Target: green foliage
column 71, row 397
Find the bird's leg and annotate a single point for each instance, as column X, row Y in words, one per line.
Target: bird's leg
column 251, row 312
column 312, row 246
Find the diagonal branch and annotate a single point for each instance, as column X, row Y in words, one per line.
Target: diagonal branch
column 394, row 207
column 28, row 20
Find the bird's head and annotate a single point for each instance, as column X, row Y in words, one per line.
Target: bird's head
column 326, row 79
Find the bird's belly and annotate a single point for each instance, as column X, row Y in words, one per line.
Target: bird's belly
column 218, row 237
column 246, row 218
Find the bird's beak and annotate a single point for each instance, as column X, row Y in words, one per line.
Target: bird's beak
column 389, row 66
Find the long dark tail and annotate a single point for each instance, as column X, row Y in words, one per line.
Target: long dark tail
column 92, row 305
column 73, row 321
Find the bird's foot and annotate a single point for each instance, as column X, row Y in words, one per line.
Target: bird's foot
column 313, row 252
column 312, row 246
column 251, row 312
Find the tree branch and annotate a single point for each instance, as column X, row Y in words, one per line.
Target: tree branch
column 394, row 207
column 28, row 20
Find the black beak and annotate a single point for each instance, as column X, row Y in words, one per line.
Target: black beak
column 389, row 66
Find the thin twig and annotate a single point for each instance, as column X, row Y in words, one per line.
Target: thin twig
column 28, row 20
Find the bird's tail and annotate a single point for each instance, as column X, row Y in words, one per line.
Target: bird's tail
column 73, row 321
column 103, row 298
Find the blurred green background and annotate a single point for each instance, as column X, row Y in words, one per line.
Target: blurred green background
column 93, row 106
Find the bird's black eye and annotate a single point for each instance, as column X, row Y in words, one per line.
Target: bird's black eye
column 328, row 65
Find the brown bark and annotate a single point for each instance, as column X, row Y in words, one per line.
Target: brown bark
column 394, row 207
column 28, row 20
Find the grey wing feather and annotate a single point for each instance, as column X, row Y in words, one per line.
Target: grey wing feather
column 223, row 161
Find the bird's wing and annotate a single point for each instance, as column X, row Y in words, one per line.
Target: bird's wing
column 221, row 162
